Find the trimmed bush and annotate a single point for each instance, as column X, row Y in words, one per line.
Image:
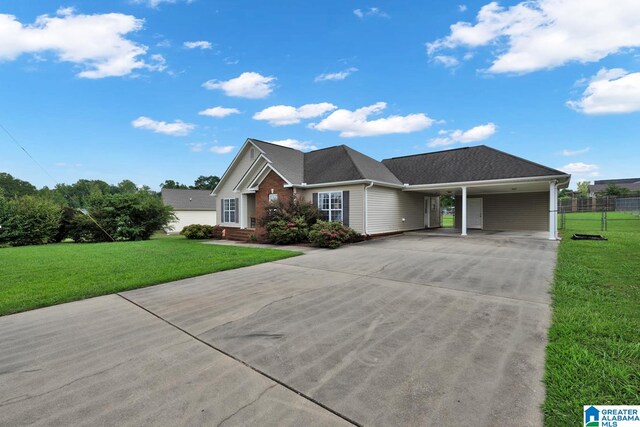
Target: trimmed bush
column 198, row 231
column 217, row 232
column 294, row 208
column 332, row 234
column 28, row 220
column 283, row 232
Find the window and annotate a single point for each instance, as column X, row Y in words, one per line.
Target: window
column 229, row 210
column 273, row 197
column 330, row 204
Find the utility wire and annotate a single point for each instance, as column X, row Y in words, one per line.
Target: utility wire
column 84, row 211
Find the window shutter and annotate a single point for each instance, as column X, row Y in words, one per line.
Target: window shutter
column 222, row 210
column 237, row 211
column 314, row 198
column 345, row 208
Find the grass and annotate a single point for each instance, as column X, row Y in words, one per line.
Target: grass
column 447, row 221
column 39, row 276
column 593, row 355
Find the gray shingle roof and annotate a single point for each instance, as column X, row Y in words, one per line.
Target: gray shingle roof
column 478, row 163
column 288, row 161
column 189, row 200
column 341, row 163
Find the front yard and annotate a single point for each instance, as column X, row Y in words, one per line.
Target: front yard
column 39, row 276
column 593, row 356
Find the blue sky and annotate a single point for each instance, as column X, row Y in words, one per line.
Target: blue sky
column 150, row 90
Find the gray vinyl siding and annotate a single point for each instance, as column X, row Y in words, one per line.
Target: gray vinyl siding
column 233, row 177
column 520, row 211
column 356, row 202
column 387, row 207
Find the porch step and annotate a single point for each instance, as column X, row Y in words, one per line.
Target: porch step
column 239, row 234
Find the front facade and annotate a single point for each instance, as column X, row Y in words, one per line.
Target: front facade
column 493, row 190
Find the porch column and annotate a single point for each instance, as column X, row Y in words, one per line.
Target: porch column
column 553, row 210
column 464, row 211
column 241, row 211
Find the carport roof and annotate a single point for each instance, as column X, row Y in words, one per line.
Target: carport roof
column 480, row 163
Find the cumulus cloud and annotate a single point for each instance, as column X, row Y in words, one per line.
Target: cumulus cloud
column 462, row 7
column 542, row 34
column 446, row 60
column 176, row 128
column 200, row 44
column 222, row 149
column 247, row 85
column 475, row 134
column 197, row 147
column 612, row 91
column 219, row 112
column 581, row 168
column 295, row 144
column 355, row 123
column 97, row 43
column 279, row 115
column 155, row 3
column 340, row 75
column 569, row 153
column 370, row 13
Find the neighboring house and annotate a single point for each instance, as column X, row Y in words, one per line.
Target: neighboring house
column 493, row 190
column 600, row 186
column 190, row 206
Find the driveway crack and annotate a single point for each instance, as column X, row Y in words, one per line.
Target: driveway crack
column 247, row 405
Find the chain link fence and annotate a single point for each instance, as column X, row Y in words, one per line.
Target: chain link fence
column 602, row 213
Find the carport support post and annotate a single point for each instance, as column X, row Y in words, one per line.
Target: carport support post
column 553, row 209
column 464, row 211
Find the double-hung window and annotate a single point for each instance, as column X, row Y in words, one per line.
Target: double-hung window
column 330, row 204
column 229, row 213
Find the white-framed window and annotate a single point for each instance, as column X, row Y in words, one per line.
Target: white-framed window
column 229, row 213
column 330, row 204
column 273, row 197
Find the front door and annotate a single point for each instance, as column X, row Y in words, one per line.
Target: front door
column 474, row 212
column 431, row 212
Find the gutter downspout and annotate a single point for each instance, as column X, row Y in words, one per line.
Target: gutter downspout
column 366, row 207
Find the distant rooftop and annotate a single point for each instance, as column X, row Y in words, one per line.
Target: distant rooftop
column 188, row 200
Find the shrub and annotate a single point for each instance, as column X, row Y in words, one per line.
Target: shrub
column 28, row 220
column 286, row 232
column 217, row 232
column 294, row 208
column 198, row 231
column 331, row 234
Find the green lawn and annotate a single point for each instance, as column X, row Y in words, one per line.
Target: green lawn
column 39, row 276
column 447, row 221
column 593, row 356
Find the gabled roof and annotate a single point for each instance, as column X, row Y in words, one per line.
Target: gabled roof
column 288, row 161
column 342, row 163
column 617, row 181
column 478, row 163
column 188, row 200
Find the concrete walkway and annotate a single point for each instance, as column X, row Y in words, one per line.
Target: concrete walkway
column 399, row 331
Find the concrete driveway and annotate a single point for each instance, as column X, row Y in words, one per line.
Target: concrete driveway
column 407, row 330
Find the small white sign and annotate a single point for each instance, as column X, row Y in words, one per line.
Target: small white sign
column 611, row 416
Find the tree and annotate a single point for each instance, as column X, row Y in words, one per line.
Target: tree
column 583, row 188
column 169, row 183
column 614, row 190
column 205, row 182
column 14, row 187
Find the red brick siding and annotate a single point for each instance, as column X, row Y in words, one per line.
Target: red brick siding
column 275, row 183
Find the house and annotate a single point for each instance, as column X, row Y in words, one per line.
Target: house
column 591, row 416
column 190, row 207
column 600, row 186
column 493, row 190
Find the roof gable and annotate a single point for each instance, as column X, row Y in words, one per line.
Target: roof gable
column 287, row 161
column 467, row 164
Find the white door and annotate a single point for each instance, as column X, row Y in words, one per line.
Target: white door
column 434, row 212
column 426, row 211
column 474, row 212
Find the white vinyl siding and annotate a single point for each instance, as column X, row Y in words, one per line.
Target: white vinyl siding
column 356, row 202
column 231, row 180
column 388, row 206
column 185, row 218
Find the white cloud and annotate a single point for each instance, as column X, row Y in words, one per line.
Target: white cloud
column 569, row 153
column 230, row 61
column 462, row 7
column 97, row 43
column 247, row 85
column 475, row 134
column 279, row 115
column 176, row 128
column 200, row 44
column 446, row 60
column 197, row 147
column 612, row 91
column 340, row 75
column 219, row 112
column 580, row 167
column 370, row 12
column 155, row 3
column 354, row 123
column 295, row 144
column 224, row 149
column 542, row 34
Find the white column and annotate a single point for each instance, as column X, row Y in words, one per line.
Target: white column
column 553, row 215
column 241, row 211
column 464, row 211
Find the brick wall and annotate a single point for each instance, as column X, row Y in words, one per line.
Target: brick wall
column 271, row 182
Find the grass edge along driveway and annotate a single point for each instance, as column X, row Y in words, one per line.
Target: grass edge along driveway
column 593, row 355
column 39, row 276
